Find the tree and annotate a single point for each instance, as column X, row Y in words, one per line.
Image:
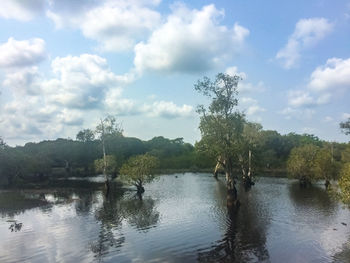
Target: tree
column 111, row 165
column 139, row 170
column 250, row 140
column 324, row 166
column 85, row 135
column 221, row 124
column 107, row 127
column 300, row 164
column 344, row 183
column 345, row 126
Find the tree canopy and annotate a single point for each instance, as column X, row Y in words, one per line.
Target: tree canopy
column 221, row 124
column 139, row 170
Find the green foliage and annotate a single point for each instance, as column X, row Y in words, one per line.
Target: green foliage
column 344, row 183
column 324, row 165
column 85, row 135
column 300, row 164
column 139, row 169
column 345, row 155
column 109, row 127
column 345, row 126
column 221, row 124
column 111, row 165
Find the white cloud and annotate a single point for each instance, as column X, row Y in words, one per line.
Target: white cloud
column 23, row 10
column 328, row 119
column 233, row 71
column 325, row 81
column 23, row 82
column 335, row 74
column 251, row 106
column 83, row 88
column 306, row 34
column 345, row 116
column 81, row 82
column 189, row 40
column 243, row 85
column 298, row 113
column 298, row 98
column 116, row 25
column 14, row 53
column 167, row 109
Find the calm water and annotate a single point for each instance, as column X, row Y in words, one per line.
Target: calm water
column 181, row 218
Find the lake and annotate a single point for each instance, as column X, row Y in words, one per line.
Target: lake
column 181, row 218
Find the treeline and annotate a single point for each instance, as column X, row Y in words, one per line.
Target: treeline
column 83, row 156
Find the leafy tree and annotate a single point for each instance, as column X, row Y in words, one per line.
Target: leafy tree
column 139, row 170
column 250, row 141
column 111, row 165
column 344, row 183
column 300, row 164
column 85, row 135
column 324, row 166
column 221, row 124
column 107, row 127
column 345, row 126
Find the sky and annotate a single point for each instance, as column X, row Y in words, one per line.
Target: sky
column 64, row 64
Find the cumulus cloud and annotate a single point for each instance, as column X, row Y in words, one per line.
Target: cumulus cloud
column 81, row 82
column 244, row 86
column 20, row 9
column 167, row 109
column 25, row 81
column 82, row 88
column 22, row 53
column 116, row 25
column 306, row 34
column 297, row 113
column 251, row 106
column 189, row 41
column 325, row 82
column 334, row 75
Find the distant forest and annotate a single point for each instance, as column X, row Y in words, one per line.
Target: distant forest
column 34, row 162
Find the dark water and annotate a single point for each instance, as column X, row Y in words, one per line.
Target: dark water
column 180, row 219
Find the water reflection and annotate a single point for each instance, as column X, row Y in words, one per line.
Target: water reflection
column 13, row 203
column 140, row 213
column 185, row 223
column 244, row 239
column 313, row 200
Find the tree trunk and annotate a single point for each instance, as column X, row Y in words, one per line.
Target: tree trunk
column 327, row 184
column 232, row 197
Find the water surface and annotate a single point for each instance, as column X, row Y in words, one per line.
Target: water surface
column 181, row 218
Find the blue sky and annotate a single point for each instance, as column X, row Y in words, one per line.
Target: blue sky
column 66, row 63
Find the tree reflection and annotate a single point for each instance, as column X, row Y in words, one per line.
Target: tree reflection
column 115, row 208
column 245, row 236
column 140, row 212
column 110, row 218
column 16, row 202
column 313, row 199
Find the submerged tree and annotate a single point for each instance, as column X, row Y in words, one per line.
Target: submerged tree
column 107, row 127
column 324, row 166
column 221, row 124
column 300, row 164
column 251, row 138
column 111, row 165
column 139, row 170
